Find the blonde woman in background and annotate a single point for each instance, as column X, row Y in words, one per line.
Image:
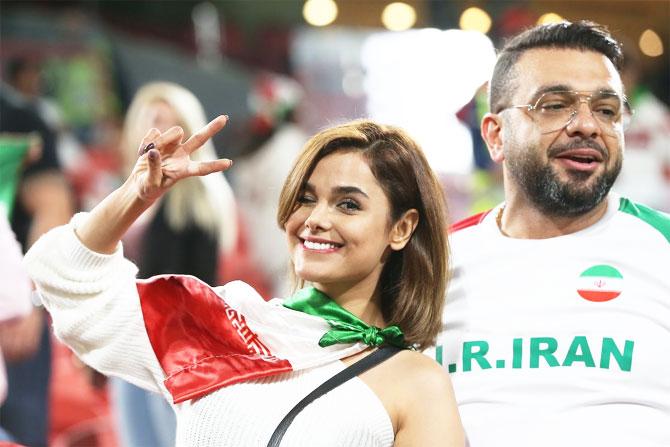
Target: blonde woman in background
column 185, row 232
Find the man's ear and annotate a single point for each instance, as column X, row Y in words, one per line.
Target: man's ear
column 403, row 228
column 492, row 134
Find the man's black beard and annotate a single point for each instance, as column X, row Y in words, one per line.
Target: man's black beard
column 561, row 199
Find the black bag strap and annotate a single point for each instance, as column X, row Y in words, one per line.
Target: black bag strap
column 353, row 370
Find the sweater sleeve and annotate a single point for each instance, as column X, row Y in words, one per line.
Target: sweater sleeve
column 94, row 305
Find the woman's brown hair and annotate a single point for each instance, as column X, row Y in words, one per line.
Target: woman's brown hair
column 413, row 281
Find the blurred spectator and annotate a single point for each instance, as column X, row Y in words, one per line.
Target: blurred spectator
column 43, row 201
column 14, row 295
column 24, row 75
column 16, row 150
column 645, row 176
column 183, row 233
column 486, row 182
column 275, row 140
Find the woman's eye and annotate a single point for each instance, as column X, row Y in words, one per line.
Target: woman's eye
column 349, row 205
column 305, row 199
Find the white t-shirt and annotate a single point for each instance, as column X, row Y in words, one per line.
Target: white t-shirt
column 562, row 341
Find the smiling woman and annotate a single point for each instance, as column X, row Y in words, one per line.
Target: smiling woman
column 368, row 189
column 365, row 222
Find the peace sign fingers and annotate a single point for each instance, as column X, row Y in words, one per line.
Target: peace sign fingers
column 200, row 137
column 164, row 159
column 208, row 167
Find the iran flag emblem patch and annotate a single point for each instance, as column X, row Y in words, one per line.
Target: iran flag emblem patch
column 600, row 283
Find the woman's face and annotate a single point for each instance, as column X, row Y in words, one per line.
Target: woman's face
column 340, row 231
column 161, row 115
column 158, row 114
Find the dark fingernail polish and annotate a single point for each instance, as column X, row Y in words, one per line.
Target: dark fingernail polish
column 146, row 148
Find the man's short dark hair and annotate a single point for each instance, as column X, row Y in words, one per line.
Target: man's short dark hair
column 582, row 35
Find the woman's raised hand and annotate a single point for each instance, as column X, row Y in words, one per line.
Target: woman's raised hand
column 164, row 159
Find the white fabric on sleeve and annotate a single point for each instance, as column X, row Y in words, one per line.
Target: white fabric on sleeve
column 94, row 304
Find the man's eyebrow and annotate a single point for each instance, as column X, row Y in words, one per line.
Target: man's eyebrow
column 551, row 88
column 563, row 87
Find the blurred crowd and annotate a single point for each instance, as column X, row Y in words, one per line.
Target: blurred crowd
column 69, row 132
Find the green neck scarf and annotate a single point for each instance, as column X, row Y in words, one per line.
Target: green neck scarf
column 346, row 327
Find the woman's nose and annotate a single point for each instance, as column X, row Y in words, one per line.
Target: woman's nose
column 319, row 218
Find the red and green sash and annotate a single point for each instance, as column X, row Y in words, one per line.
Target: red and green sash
column 207, row 338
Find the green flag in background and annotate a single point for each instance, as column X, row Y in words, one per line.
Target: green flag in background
column 13, row 150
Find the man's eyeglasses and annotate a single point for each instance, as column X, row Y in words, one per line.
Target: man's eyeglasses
column 555, row 110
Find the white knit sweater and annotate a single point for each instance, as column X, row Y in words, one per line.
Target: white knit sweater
column 95, row 308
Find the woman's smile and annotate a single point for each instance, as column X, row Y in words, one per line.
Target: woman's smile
column 320, row 246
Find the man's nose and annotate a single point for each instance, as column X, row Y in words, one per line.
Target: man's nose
column 583, row 122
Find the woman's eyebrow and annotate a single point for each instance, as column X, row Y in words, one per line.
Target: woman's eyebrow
column 341, row 190
column 349, row 190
